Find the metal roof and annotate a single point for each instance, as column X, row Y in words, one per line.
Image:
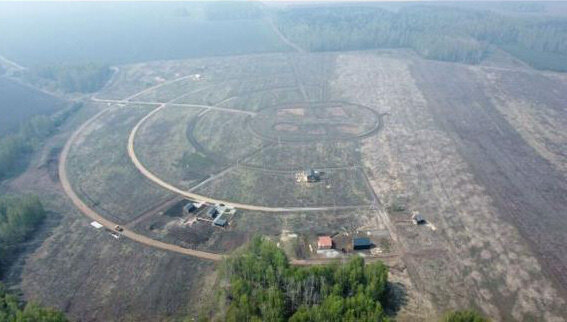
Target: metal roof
column 361, row 242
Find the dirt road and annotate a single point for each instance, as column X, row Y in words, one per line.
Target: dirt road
column 148, row 174
column 92, row 214
column 107, row 223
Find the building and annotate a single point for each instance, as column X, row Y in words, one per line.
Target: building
column 361, row 243
column 324, row 242
column 312, row 175
column 220, row 221
column 418, row 219
column 190, row 207
column 308, row 176
column 213, row 212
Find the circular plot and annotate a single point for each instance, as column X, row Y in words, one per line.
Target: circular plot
column 314, row 121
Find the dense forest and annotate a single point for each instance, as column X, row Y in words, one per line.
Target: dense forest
column 87, row 78
column 434, row 32
column 19, row 217
column 265, row 287
column 14, row 148
column 13, row 310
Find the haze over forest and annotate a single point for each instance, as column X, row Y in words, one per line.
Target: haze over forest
column 283, row 161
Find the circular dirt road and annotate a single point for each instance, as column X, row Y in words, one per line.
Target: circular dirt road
column 142, row 239
column 202, row 198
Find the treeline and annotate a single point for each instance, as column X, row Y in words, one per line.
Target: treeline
column 19, row 217
column 435, row 32
column 263, row 286
column 87, row 78
column 14, row 148
column 13, row 310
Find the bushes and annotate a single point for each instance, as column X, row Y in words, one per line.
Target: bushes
column 19, row 216
column 15, row 147
column 86, row 78
column 263, row 286
column 12, row 310
column 464, row 316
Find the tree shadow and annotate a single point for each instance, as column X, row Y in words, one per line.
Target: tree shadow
column 396, row 298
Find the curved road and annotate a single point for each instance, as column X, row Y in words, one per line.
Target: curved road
column 148, row 174
column 92, row 214
column 107, row 223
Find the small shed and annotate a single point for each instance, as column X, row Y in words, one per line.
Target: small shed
column 313, row 175
column 220, row 221
column 190, row 207
column 213, row 212
column 324, row 242
column 418, row 220
column 361, row 243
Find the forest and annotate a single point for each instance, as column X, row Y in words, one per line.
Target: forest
column 265, row 287
column 14, row 310
column 86, row 78
column 15, row 148
column 19, row 217
column 434, row 32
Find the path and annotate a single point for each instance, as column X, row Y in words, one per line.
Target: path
column 284, row 38
column 188, row 194
column 11, row 63
column 128, row 233
column 110, row 224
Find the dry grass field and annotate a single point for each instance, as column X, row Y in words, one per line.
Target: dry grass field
column 479, row 151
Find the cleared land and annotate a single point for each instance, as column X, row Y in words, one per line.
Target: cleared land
column 479, row 157
column 101, row 172
column 437, row 137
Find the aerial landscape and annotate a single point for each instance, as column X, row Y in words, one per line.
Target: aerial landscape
column 275, row 161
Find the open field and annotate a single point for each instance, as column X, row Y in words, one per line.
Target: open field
column 429, row 159
column 164, row 148
column 101, row 172
column 338, row 187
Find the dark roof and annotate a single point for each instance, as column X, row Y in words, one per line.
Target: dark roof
column 361, row 242
column 189, row 206
column 419, row 219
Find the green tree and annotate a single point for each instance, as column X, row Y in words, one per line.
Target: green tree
column 464, row 316
column 264, row 287
column 12, row 310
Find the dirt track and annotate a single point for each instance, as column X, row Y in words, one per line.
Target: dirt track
column 148, row 174
column 107, row 223
column 87, row 211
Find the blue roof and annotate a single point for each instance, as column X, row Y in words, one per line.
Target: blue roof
column 361, row 242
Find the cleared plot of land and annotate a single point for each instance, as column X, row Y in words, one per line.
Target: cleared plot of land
column 286, row 156
column 101, row 172
column 537, row 115
column 93, row 276
column 339, row 187
column 475, row 156
column 315, row 121
column 525, row 187
column 223, row 136
column 420, row 162
column 163, row 147
column 256, row 100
